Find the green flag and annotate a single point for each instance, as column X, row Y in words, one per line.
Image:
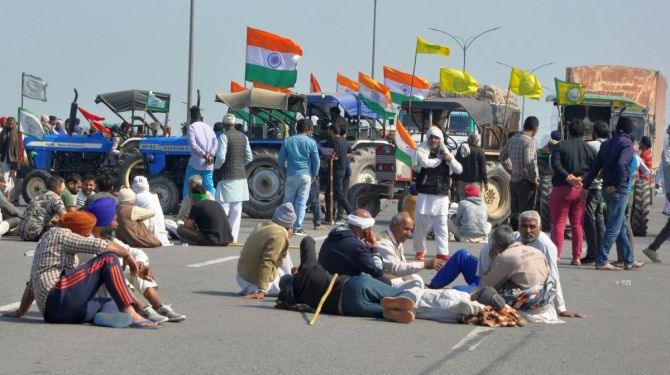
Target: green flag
column 157, row 105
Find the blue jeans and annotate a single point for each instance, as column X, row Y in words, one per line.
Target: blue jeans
column 207, row 180
column 615, row 229
column 315, row 202
column 362, row 295
column 460, row 262
column 296, row 191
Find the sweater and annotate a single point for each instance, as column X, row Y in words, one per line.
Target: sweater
column 571, row 157
column 518, row 266
column 133, row 233
column 614, row 158
column 344, row 253
column 263, row 254
column 299, row 156
column 471, row 217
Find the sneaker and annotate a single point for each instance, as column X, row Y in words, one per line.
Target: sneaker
column 171, row 315
column 299, row 232
column 318, row 226
column 652, row 255
column 633, row 266
column 149, row 313
column 421, row 255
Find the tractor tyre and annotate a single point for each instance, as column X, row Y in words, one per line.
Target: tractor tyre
column 407, row 203
column 34, row 183
column 266, row 184
column 167, row 191
column 131, row 164
column 363, row 166
column 639, row 215
column 497, row 197
column 543, row 202
column 360, row 196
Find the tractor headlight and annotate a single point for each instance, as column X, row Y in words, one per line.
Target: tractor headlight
column 151, row 158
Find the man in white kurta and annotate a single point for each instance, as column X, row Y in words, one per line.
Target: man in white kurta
column 146, row 199
column 433, row 163
column 232, row 155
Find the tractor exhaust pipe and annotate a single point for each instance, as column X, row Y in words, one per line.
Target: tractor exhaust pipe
column 73, row 114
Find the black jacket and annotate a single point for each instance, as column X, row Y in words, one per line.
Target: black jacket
column 571, row 156
column 342, row 252
column 474, row 165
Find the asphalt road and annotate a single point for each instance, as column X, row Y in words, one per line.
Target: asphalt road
column 625, row 330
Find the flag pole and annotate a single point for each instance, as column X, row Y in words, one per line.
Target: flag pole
column 411, row 93
column 18, row 118
column 505, row 112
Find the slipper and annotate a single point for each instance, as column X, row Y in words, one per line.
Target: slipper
column 608, row 267
column 112, row 320
column 141, row 324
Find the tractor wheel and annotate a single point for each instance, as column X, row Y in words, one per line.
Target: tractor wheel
column 266, row 184
column 407, row 203
column 167, row 191
column 544, row 196
column 34, row 183
column 639, row 216
column 131, row 164
column 497, row 196
column 363, row 166
column 360, row 197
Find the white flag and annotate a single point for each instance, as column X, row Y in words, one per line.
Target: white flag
column 34, row 87
column 29, row 124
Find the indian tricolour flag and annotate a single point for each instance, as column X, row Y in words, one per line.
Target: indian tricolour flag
column 375, row 96
column 345, row 84
column 402, row 85
column 271, row 59
column 404, row 144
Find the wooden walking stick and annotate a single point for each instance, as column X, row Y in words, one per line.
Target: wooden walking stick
column 323, row 300
column 330, row 210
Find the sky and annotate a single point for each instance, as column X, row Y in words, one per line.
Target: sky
column 110, row 45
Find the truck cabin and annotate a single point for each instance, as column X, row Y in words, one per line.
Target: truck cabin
column 605, row 108
column 458, row 117
column 363, row 122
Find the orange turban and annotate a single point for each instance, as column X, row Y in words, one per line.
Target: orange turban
column 79, row 222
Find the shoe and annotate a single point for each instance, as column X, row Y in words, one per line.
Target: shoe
column 444, row 257
column 608, row 267
column 397, row 303
column 112, row 320
column 340, row 222
column 633, row 266
column 171, row 314
column 586, row 260
column 576, row 262
column 421, row 255
column 149, row 313
column 299, row 232
column 324, row 222
column 652, row 255
column 468, row 308
column 618, row 263
column 318, row 226
column 399, row 316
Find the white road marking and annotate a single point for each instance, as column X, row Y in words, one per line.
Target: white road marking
column 472, row 336
column 213, row 261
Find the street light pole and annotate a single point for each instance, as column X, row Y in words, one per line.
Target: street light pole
column 190, row 63
column 374, row 32
column 465, row 43
column 523, row 100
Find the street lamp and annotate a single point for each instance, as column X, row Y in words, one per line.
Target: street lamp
column 523, row 100
column 465, row 43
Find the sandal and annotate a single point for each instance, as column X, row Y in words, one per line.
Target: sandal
column 144, row 324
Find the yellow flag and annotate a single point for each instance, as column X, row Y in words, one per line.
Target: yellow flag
column 428, row 48
column 457, row 81
column 568, row 93
column 525, row 84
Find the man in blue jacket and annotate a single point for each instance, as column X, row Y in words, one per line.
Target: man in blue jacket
column 614, row 159
column 352, row 250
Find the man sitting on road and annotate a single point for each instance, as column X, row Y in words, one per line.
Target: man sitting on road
column 144, row 280
column 73, row 184
column 470, row 222
column 187, row 202
column 65, row 291
column 105, row 188
column 207, row 223
column 43, row 211
column 87, row 189
column 265, row 258
column 353, row 249
column 403, row 274
column 148, row 200
column 132, row 228
column 10, row 214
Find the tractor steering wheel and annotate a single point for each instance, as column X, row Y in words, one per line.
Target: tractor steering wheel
column 451, row 143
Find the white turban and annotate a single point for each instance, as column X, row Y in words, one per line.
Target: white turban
column 361, row 222
column 435, row 132
column 140, row 184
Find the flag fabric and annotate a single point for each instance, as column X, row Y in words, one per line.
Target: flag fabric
column 457, row 81
column 271, row 59
column 429, row 48
column 236, row 87
column 568, row 93
column 96, row 121
column 313, row 83
column 154, row 104
column 404, row 144
column 260, row 85
column 345, row 84
column 30, row 124
column 401, row 85
column 375, row 96
column 525, row 84
column 34, row 87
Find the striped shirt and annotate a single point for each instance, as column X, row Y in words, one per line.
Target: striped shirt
column 57, row 253
column 521, row 151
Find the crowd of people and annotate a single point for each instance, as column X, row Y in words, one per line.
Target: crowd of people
column 515, row 277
